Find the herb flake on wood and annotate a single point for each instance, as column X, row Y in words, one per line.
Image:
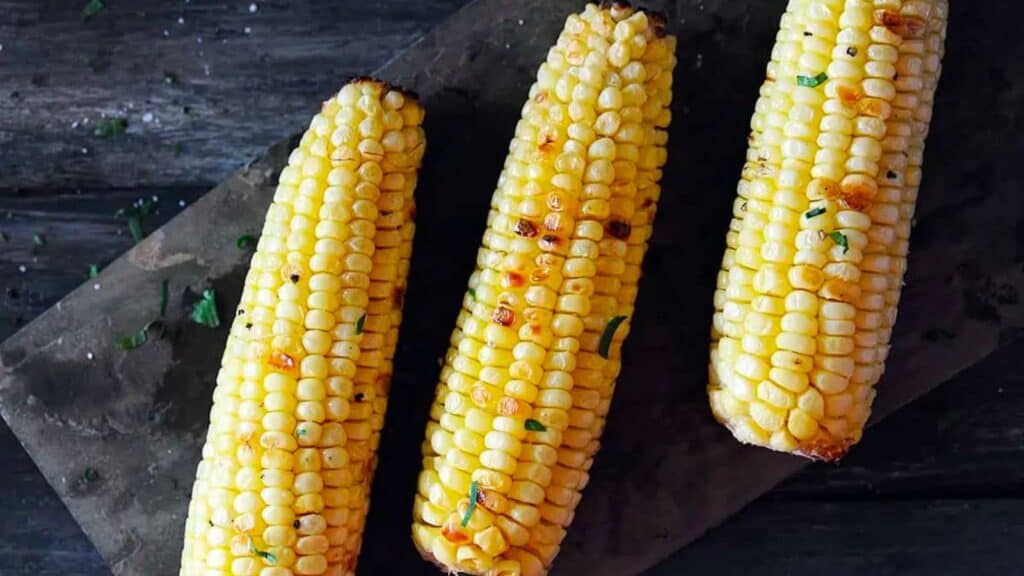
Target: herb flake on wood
column 111, row 127
column 204, row 311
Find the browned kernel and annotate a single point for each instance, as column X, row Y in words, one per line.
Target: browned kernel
column 618, row 229
column 888, row 18
column 849, row 93
column 453, row 533
column 513, row 280
column 906, row 26
column 281, row 360
column 398, row 297
column 541, row 97
column 547, row 143
column 503, row 316
column 525, row 228
column 549, row 242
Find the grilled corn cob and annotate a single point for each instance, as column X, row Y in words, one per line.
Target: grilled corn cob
column 529, row 376
column 282, row 488
column 816, row 251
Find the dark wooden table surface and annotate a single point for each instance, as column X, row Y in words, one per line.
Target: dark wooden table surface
column 205, row 86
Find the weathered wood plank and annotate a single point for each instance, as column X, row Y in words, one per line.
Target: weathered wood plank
column 784, row 538
column 39, row 536
column 51, row 238
column 211, row 77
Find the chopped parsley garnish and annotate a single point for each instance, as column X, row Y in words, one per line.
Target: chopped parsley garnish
column 811, row 81
column 246, row 242
column 134, row 217
column 262, row 553
column 142, row 336
column 360, row 323
column 111, row 127
column 841, row 240
column 472, row 294
column 205, row 311
column 606, row 338
column 39, row 240
column 92, row 8
column 474, row 491
column 535, row 426
column 815, row 212
column 300, row 432
column 94, row 270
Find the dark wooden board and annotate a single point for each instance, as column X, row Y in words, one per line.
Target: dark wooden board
column 714, row 33
column 938, row 537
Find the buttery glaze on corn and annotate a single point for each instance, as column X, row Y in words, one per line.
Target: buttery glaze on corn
column 526, row 386
column 283, row 485
column 817, row 248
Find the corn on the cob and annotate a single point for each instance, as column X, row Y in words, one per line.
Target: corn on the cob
column 282, row 488
column 528, row 379
column 817, row 247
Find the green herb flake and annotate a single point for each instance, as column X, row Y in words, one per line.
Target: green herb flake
column 474, row 491
column 39, row 240
column 142, row 336
column 815, row 212
column 94, row 270
column 134, row 216
column 110, row 128
column 811, row 81
column 535, row 426
column 92, row 8
column 135, row 229
column 300, row 432
column 609, row 332
column 262, row 553
column 178, row 148
column 204, row 311
column 246, row 242
column 163, row 298
column 472, row 294
column 360, row 323
column 841, row 240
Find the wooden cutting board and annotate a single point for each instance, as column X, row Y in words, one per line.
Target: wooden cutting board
column 118, row 433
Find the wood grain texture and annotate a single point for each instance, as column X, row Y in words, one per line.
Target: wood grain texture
column 783, row 538
column 977, row 197
column 182, row 74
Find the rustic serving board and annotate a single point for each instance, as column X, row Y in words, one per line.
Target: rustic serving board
column 118, row 433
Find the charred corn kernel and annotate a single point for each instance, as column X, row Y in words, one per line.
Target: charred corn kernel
column 816, row 251
column 526, row 385
column 303, row 384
